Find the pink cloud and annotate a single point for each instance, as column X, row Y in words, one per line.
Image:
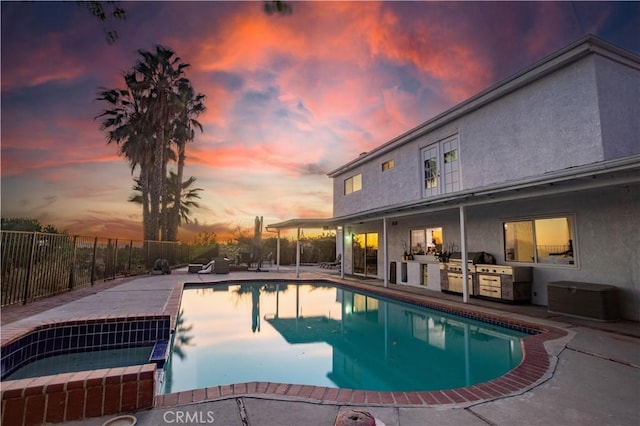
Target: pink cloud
column 288, row 97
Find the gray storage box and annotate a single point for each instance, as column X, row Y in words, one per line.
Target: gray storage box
column 586, row 300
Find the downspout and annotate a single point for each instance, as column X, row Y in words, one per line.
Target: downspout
column 385, row 255
column 463, row 248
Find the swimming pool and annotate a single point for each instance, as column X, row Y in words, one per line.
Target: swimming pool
column 326, row 335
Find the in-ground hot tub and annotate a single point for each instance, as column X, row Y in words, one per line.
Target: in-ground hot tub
column 73, row 396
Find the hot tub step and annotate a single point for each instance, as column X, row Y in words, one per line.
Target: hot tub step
column 160, row 353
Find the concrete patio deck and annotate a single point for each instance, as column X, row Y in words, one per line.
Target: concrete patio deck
column 593, row 375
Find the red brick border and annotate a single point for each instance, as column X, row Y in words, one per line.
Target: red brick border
column 75, row 396
column 533, row 367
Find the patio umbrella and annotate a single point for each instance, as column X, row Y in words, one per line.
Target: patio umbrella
column 257, row 241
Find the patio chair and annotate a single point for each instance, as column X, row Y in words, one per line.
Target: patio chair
column 331, row 265
column 208, row 268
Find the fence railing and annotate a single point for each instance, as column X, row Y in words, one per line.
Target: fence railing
column 36, row 264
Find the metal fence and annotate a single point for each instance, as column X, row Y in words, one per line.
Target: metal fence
column 36, row 264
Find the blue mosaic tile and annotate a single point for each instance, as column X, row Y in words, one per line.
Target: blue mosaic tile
column 64, row 339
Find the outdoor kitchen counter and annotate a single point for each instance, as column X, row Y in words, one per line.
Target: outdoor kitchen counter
column 422, row 271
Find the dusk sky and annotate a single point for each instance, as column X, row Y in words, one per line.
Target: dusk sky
column 289, row 97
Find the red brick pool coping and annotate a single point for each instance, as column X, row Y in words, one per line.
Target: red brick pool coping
column 534, row 367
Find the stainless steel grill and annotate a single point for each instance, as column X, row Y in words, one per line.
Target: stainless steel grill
column 511, row 283
column 455, row 278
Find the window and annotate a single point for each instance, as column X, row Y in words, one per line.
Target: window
column 544, row 240
column 441, row 162
column 353, row 184
column 431, row 173
column 388, row 165
column 426, row 241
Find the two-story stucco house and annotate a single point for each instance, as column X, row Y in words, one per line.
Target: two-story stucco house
column 541, row 171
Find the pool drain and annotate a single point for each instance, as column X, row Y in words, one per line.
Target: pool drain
column 356, row 418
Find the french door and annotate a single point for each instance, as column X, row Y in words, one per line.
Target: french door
column 441, row 172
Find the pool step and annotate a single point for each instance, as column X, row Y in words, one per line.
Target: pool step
column 160, row 353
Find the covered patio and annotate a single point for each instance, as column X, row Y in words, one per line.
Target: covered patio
column 505, row 199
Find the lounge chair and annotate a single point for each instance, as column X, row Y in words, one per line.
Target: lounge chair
column 195, row 267
column 208, row 268
column 334, row 264
column 219, row 265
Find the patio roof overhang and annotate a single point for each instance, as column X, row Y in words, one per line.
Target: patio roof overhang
column 610, row 173
column 316, row 223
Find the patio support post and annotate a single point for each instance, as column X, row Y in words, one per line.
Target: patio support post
column 278, row 251
column 463, row 248
column 385, row 254
column 298, row 255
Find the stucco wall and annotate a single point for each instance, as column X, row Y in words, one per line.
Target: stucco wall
column 605, row 230
column 551, row 124
column 619, row 100
column 401, row 184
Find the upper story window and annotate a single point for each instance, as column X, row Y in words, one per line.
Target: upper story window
column 441, row 167
column 548, row 240
column 353, row 184
column 388, row 165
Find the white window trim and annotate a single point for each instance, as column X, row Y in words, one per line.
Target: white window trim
column 442, row 183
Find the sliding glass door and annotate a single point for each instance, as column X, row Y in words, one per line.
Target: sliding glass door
column 365, row 254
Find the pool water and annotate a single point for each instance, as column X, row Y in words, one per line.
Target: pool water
column 322, row 335
column 83, row 361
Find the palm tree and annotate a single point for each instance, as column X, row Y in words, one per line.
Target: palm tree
column 126, row 126
column 157, row 106
column 160, row 74
column 187, row 198
column 190, row 107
